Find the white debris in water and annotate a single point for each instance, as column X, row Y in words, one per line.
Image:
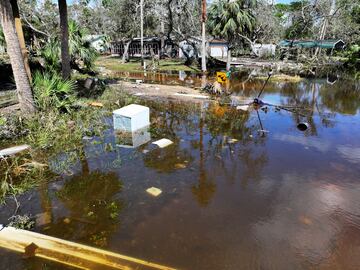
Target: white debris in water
column 191, row 95
column 139, row 81
column 139, row 94
column 154, row 191
column 13, row 150
column 233, row 141
column 163, row 143
column 243, row 107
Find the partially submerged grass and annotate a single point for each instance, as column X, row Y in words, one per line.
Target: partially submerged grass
column 115, row 64
column 50, row 134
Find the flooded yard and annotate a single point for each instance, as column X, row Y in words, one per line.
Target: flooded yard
column 233, row 196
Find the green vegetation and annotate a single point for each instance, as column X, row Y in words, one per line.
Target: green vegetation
column 114, row 64
column 52, row 92
column 50, row 133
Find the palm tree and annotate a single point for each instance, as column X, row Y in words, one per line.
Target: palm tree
column 20, row 33
column 65, row 54
column 17, row 62
column 228, row 18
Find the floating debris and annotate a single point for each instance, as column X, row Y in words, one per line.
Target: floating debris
column 67, row 220
column 154, row 191
column 180, row 166
column 244, row 108
column 96, row 104
column 233, row 141
column 139, row 81
column 163, row 143
column 305, row 220
column 13, row 150
column 303, row 126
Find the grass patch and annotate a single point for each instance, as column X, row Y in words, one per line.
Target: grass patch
column 114, row 64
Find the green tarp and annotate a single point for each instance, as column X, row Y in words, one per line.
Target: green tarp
column 325, row 44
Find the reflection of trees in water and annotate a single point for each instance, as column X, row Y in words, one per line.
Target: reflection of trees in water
column 228, row 121
column 205, row 189
column 93, row 210
column 253, row 162
column 168, row 120
column 225, row 124
column 343, row 97
column 166, row 159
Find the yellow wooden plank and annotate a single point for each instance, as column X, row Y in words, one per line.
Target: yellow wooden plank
column 70, row 253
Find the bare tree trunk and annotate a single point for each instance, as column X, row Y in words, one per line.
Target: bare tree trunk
column 20, row 33
column 125, row 55
column 17, row 62
column 65, row 54
column 203, row 47
column 228, row 61
column 162, row 27
column 325, row 24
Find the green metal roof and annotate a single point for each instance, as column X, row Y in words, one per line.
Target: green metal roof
column 325, row 44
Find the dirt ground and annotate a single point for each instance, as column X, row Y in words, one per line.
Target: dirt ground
column 157, row 91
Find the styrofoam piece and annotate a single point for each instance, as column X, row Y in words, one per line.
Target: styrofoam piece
column 13, row 150
column 162, row 143
column 191, row 95
column 131, row 118
column 154, row 191
column 243, row 107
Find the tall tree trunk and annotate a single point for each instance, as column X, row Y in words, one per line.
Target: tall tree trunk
column 228, row 61
column 203, row 45
column 17, row 62
column 20, row 33
column 65, row 54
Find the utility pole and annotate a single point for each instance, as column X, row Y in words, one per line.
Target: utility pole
column 20, row 33
column 203, row 49
column 142, row 31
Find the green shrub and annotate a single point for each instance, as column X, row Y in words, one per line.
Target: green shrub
column 51, row 91
column 50, row 54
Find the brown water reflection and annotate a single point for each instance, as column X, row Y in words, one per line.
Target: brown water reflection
column 232, row 198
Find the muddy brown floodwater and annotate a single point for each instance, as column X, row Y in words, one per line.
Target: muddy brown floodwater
column 232, row 197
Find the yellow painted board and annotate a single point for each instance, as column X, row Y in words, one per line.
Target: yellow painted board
column 70, row 253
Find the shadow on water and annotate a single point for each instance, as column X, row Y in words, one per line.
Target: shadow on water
column 232, row 194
